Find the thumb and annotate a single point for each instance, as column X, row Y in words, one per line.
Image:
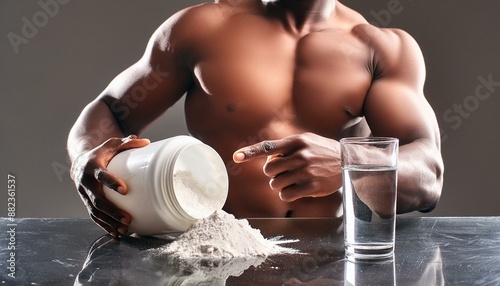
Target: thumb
column 132, row 141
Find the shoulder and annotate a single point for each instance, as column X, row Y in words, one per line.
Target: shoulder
column 386, row 40
column 188, row 24
column 392, row 50
column 186, row 32
column 195, row 23
column 388, row 46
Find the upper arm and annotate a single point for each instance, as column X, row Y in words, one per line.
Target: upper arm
column 395, row 104
column 141, row 93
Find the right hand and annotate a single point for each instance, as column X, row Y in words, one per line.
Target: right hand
column 90, row 174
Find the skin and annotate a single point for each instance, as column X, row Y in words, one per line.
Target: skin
column 272, row 87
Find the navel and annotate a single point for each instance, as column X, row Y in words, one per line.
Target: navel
column 231, row 107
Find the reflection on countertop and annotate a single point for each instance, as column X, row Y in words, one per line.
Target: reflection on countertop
column 326, row 265
column 429, row 251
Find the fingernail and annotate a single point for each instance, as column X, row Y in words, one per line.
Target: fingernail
column 122, row 230
column 125, row 221
column 120, row 190
column 128, row 138
column 239, row 156
column 113, row 234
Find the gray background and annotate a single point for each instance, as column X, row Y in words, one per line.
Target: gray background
column 79, row 47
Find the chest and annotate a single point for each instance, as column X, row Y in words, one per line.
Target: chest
column 320, row 80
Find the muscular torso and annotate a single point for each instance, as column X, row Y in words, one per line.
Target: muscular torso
column 254, row 80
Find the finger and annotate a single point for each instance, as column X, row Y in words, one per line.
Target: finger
column 285, row 180
column 110, row 210
column 107, row 227
column 115, row 224
column 294, row 192
column 132, row 141
column 107, row 178
column 94, row 198
column 263, row 149
column 298, row 177
column 276, row 165
column 117, row 145
column 108, row 223
column 102, row 175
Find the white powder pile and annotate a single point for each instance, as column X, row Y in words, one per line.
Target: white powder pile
column 221, row 246
column 222, row 236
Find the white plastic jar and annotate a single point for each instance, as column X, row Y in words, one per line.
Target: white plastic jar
column 171, row 183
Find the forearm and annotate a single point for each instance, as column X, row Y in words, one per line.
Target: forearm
column 420, row 176
column 95, row 125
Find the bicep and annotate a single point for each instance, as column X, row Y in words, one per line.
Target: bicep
column 397, row 110
column 141, row 93
column 395, row 104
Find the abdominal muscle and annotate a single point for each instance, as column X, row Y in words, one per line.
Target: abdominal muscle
column 249, row 192
column 251, row 196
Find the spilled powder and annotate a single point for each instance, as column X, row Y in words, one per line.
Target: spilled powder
column 222, row 236
column 220, row 246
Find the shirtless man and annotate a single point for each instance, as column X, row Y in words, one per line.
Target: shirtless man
column 272, row 86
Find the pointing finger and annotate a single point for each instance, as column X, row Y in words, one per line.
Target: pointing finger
column 262, row 149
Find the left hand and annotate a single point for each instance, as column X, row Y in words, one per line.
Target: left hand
column 302, row 165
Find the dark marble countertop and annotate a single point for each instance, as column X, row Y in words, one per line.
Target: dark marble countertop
column 429, row 251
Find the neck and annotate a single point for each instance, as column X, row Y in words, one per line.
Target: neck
column 301, row 15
